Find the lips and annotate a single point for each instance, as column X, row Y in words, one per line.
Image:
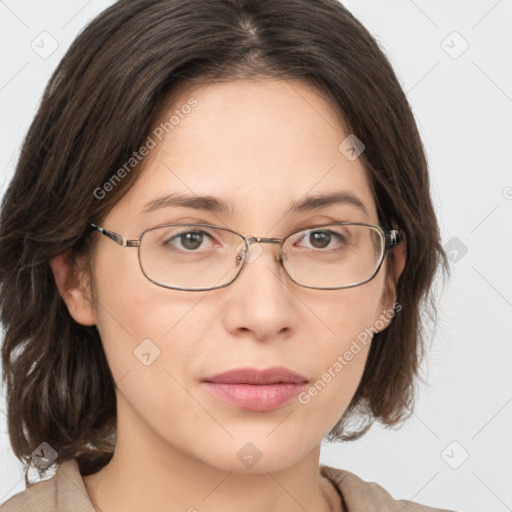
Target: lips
column 256, row 390
column 272, row 375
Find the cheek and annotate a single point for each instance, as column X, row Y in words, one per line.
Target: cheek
column 341, row 353
column 137, row 320
column 348, row 314
column 151, row 341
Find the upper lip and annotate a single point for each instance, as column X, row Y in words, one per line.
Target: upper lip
column 254, row 376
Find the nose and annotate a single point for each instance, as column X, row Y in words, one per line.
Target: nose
column 261, row 301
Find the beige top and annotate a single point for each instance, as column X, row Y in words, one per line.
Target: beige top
column 65, row 492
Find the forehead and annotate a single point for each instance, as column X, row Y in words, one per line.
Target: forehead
column 260, row 146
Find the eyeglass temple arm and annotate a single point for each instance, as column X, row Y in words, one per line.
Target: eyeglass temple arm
column 393, row 238
column 118, row 239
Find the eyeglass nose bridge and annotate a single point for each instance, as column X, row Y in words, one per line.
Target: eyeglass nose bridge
column 249, row 240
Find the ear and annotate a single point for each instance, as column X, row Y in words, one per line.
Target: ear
column 74, row 288
column 388, row 300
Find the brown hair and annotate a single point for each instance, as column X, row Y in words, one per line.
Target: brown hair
column 98, row 109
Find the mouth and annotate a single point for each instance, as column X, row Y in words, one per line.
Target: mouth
column 256, row 390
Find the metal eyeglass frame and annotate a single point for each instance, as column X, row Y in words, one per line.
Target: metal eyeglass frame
column 391, row 238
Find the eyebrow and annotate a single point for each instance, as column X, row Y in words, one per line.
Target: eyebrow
column 216, row 205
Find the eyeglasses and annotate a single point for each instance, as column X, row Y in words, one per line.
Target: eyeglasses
column 199, row 257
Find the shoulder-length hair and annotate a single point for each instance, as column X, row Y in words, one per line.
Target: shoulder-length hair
column 98, row 109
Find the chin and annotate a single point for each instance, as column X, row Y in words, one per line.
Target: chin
column 256, row 457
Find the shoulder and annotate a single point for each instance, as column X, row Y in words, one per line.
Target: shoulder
column 64, row 491
column 359, row 494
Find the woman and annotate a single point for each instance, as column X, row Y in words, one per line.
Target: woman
column 221, row 229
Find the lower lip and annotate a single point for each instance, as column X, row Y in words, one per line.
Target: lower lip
column 256, row 397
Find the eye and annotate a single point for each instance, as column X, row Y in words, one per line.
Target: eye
column 188, row 240
column 324, row 238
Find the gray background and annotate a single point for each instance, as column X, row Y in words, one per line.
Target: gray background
column 462, row 99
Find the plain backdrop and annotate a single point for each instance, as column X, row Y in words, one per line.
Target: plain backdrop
column 453, row 60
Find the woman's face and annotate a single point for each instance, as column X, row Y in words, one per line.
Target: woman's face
column 259, row 147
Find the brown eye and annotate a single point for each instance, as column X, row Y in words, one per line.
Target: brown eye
column 322, row 239
column 188, row 240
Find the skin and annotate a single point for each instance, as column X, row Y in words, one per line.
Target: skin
column 259, row 145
